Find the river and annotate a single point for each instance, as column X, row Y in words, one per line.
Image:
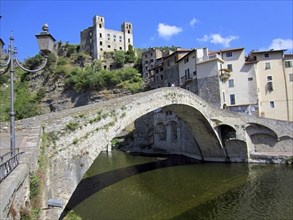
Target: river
column 123, row 186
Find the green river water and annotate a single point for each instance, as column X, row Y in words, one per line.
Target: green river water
column 123, row 186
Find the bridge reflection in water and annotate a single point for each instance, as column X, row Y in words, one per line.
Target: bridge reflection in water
column 175, row 188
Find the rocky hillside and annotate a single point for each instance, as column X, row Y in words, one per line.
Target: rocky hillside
column 70, row 79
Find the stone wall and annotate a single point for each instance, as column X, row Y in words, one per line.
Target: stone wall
column 208, row 89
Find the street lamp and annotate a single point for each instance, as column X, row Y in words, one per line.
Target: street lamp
column 46, row 44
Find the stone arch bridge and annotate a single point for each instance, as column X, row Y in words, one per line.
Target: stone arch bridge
column 78, row 135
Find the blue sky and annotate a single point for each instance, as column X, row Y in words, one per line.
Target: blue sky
column 254, row 25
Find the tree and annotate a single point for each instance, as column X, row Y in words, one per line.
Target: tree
column 119, row 58
column 130, row 54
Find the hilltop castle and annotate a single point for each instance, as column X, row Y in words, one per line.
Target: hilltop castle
column 97, row 39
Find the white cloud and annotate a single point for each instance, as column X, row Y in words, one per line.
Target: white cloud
column 193, row 22
column 218, row 39
column 279, row 44
column 167, row 31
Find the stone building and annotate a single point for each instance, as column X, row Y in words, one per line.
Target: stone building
column 149, row 60
column 165, row 70
column 97, row 39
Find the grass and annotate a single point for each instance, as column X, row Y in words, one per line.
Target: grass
column 36, row 184
column 71, row 126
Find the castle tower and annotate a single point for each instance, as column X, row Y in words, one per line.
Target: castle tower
column 126, row 28
column 98, row 36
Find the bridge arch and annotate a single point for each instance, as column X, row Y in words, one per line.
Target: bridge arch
column 97, row 124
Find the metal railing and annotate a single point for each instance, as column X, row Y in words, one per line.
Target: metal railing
column 8, row 163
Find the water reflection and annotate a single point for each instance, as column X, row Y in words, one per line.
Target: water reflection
column 148, row 188
column 90, row 185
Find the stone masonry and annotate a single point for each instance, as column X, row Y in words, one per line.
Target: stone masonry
column 80, row 134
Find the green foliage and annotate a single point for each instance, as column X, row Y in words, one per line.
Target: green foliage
column 4, row 78
column 97, row 65
column 72, row 216
column 130, row 55
column 75, row 141
column 4, row 103
column 35, row 182
column 34, row 62
column 41, row 93
column 25, row 103
column 80, row 60
column 119, row 58
column 62, row 61
column 71, row 126
column 88, row 79
column 71, row 49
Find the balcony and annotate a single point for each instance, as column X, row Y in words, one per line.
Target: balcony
column 225, row 74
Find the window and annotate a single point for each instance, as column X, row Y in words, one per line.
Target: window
column 250, row 78
column 128, row 40
column 266, row 55
column 168, row 112
column 194, row 73
column 161, row 69
column 109, row 46
column 186, row 59
column 108, row 35
column 291, row 77
column 269, row 78
column 270, row 86
column 229, row 67
column 101, row 35
column 162, row 77
column 114, row 36
column 288, row 64
column 120, row 38
column 232, row 99
column 100, row 25
column 187, row 74
column 229, row 54
column 272, row 104
column 267, row 65
column 231, row 83
column 120, row 48
column 224, row 97
column 101, row 43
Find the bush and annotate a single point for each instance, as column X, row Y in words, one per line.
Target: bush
column 88, row 79
column 25, row 103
